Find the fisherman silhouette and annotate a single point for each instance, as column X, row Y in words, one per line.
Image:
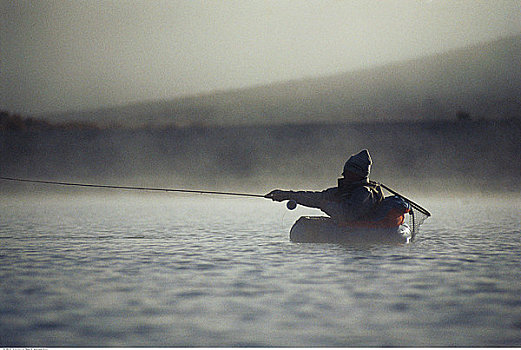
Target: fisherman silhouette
column 355, row 198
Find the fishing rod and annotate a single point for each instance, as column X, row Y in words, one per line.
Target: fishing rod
column 290, row 205
column 129, row 187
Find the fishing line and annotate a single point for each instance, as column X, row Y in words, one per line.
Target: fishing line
column 76, row 184
column 282, row 219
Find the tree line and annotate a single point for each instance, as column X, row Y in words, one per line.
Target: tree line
column 16, row 122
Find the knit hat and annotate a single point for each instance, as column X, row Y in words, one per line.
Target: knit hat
column 359, row 164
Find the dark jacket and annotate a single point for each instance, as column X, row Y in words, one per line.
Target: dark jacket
column 347, row 202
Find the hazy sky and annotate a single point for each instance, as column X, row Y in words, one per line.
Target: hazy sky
column 71, row 55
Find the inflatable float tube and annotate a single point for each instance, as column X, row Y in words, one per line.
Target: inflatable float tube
column 322, row 229
column 387, row 225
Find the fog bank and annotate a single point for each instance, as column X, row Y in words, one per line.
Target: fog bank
column 471, row 155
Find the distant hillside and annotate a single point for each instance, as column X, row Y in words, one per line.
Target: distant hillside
column 483, row 80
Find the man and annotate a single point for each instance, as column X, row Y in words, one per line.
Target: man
column 355, row 198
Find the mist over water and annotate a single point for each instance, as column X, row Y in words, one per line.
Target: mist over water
column 416, row 157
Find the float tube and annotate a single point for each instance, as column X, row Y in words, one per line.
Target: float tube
column 386, row 226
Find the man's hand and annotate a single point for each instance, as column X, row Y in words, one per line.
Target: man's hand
column 278, row 195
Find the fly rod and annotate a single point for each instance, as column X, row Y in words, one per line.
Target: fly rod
column 129, row 187
column 290, row 204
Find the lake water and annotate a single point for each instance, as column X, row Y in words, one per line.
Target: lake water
column 169, row 270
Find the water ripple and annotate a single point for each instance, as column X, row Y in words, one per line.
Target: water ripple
column 197, row 272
